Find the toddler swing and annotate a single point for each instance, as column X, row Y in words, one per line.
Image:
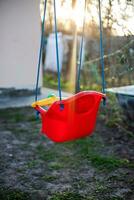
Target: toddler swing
column 74, row 117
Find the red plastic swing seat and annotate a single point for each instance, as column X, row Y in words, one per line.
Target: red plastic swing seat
column 76, row 120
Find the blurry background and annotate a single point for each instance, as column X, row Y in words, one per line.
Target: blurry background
column 20, row 23
column 118, row 39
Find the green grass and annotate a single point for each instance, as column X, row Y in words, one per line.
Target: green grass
column 49, row 178
column 90, row 149
column 46, row 154
column 13, row 115
column 31, row 164
column 55, row 166
column 50, row 80
column 67, row 196
column 107, row 163
column 100, row 188
column 116, row 198
column 8, row 194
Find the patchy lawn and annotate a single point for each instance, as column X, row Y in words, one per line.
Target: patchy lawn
column 99, row 167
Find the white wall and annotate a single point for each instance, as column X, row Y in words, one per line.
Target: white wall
column 19, row 43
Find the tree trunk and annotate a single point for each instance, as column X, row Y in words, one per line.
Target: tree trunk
column 72, row 64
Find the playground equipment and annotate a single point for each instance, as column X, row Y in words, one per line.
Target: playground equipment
column 74, row 117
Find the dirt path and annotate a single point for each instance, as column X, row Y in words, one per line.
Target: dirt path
column 32, row 167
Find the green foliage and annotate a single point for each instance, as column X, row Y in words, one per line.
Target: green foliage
column 50, row 80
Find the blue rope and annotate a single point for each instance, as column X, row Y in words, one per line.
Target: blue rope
column 39, row 58
column 101, row 50
column 81, row 53
column 40, row 52
column 57, row 51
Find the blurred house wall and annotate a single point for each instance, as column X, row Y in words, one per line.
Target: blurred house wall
column 19, row 43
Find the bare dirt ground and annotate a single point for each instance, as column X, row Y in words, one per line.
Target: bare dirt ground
column 99, row 167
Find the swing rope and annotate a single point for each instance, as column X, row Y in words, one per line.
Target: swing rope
column 81, row 51
column 102, row 51
column 40, row 52
column 57, row 51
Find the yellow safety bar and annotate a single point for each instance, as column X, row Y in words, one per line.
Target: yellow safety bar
column 45, row 102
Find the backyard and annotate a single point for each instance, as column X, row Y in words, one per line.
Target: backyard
column 99, row 167
column 65, row 47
